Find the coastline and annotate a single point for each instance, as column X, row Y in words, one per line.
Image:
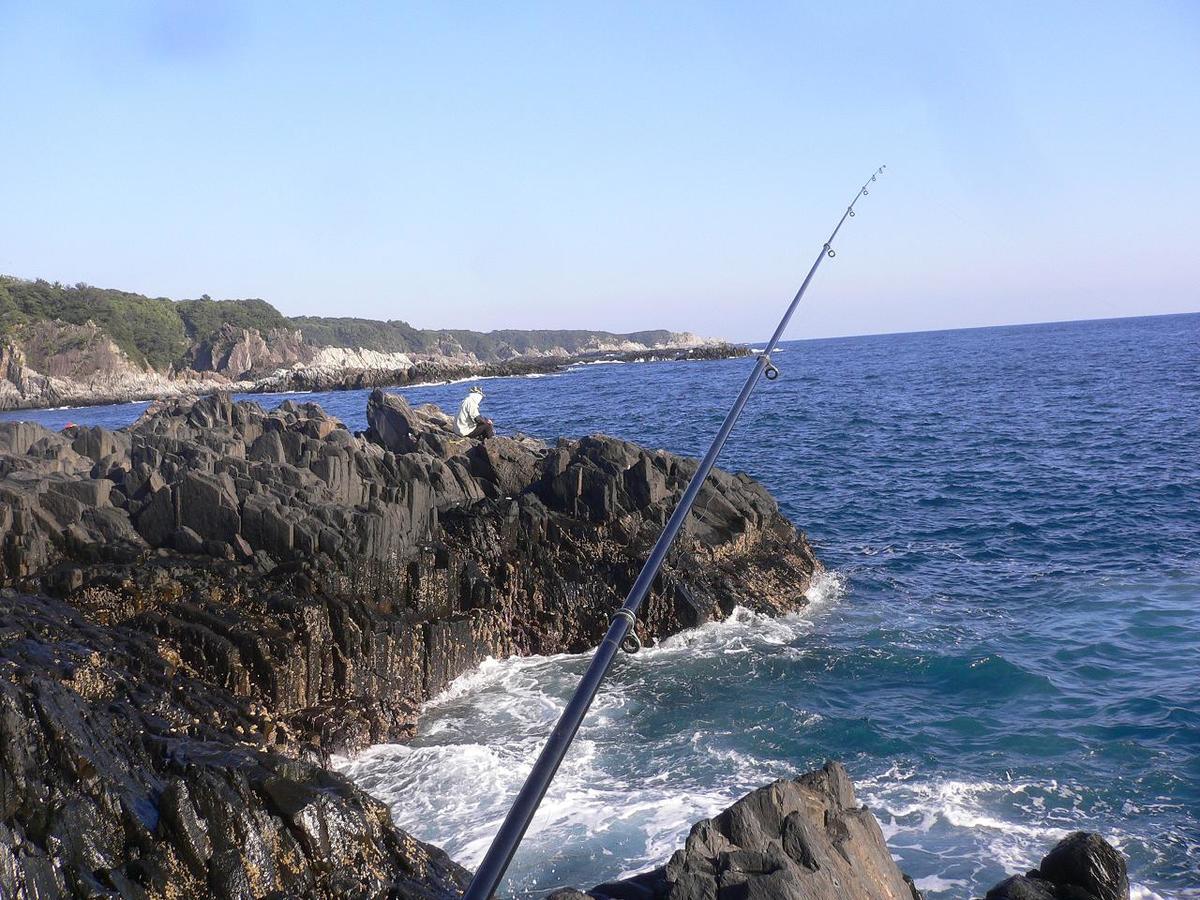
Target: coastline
column 329, row 732
column 143, row 387
column 180, row 597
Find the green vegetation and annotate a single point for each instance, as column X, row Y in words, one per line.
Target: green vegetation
column 9, row 314
column 155, row 331
column 149, row 330
column 204, row 317
column 163, row 332
column 395, row 336
column 392, row 336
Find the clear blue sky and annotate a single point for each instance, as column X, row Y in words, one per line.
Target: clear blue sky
column 610, row 165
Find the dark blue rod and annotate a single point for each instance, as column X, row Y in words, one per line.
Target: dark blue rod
column 508, row 838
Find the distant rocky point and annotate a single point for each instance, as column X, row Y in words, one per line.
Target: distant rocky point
column 82, row 345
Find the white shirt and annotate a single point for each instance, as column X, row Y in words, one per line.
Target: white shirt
column 468, row 413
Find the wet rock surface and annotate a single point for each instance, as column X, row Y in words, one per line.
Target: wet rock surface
column 808, row 839
column 1082, row 866
column 123, row 774
column 200, row 608
column 800, row 838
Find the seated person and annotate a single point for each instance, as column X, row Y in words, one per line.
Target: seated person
column 469, row 422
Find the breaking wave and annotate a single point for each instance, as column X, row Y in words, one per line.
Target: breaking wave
column 630, row 805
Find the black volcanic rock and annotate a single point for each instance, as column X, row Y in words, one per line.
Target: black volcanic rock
column 1082, row 866
column 392, row 422
column 800, row 838
column 213, row 600
column 808, row 839
column 121, row 774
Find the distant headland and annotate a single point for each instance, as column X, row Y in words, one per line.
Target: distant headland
column 81, row 345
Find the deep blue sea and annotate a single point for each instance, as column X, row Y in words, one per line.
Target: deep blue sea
column 1006, row 647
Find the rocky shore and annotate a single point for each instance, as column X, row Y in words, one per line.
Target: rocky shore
column 98, row 379
column 199, row 609
column 195, row 612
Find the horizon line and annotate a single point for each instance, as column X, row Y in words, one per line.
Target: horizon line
column 864, row 334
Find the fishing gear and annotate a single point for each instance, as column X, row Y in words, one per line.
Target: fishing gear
column 621, row 632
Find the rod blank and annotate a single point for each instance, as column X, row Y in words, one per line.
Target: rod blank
column 495, row 863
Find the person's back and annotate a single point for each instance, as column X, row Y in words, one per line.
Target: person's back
column 469, row 423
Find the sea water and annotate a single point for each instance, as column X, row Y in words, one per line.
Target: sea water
column 1005, row 648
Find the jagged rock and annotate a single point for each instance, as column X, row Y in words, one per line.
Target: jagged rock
column 294, row 485
column 96, row 443
column 1082, row 866
column 1085, row 860
column 329, row 586
column 185, row 540
column 508, row 464
column 1021, row 887
column 157, row 520
column 395, row 425
column 208, row 504
column 801, row 838
column 115, row 781
column 17, row 437
column 267, row 448
column 112, row 526
column 91, row 492
column 391, row 422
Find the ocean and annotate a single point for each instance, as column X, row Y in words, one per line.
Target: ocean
column 1005, row 646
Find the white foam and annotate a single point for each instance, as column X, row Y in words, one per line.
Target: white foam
column 912, row 805
column 632, row 807
column 481, row 735
column 935, row 883
column 827, row 588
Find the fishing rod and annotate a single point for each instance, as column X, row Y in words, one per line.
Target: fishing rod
column 490, row 872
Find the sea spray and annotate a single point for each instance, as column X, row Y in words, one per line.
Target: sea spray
column 479, row 737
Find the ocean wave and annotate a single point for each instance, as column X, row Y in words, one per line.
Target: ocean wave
column 640, row 775
column 1011, row 824
column 523, row 674
column 598, row 362
column 456, row 795
column 480, row 736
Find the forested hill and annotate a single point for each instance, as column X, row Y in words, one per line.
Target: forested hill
column 162, row 333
